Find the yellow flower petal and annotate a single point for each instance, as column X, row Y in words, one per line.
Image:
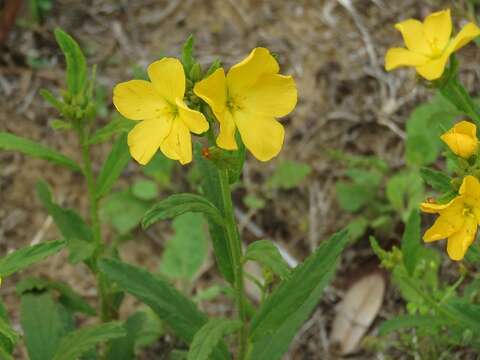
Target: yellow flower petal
column 262, row 135
column 414, row 37
column 438, row 29
column 243, row 75
column 194, row 120
column 433, row 69
column 467, row 34
column 462, row 139
column 459, row 242
column 443, row 227
column 396, row 57
column 433, row 208
column 470, row 187
column 226, row 136
column 138, row 100
column 168, row 78
column 178, row 144
column 146, row 137
column 272, row 95
column 213, row 91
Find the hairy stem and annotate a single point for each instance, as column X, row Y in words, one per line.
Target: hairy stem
column 236, row 254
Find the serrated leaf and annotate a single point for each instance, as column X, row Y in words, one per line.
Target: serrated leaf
column 145, row 189
column 209, row 336
column 24, row 257
column 76, row 64
column 178, row 204
column 410, row 321
column 123, row 211
column 411, row 243
column 77, row 233
column 118, row 125
column 283, row 312
column 436, row 179
column 116, row 161
column 186, row 251
column 266, row 253
column 171, row 306
column 68, row 297
column 80, row 341
column 212, row 191
column 44, row 323
column 288, row 174
column 12, row 142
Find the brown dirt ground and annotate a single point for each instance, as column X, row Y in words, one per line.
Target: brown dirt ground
column 346, row 101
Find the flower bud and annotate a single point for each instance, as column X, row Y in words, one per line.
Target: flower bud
column 462, row 139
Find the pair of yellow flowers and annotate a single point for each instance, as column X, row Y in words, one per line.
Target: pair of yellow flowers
column 249, row 98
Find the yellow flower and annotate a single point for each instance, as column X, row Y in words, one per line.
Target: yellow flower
column 462, row 139
column 458, row 219
column 165, row 120
column 250, row 97
column 429, row 44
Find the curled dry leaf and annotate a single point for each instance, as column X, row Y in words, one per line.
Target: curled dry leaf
column 356, row 312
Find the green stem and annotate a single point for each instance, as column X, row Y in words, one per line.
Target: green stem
column 106, row 312
column 236, row 255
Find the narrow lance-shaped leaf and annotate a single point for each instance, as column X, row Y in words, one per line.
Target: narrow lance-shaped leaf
column 266, row 253
column 78, row 235
column 436, row 179
column 410, row 321
column 76, row 64
column 112, row 168
column 80, row 341
column 209, row 336
column 212, row 191
column 283, row 312
column 411, row 243
column 24, row 257
column 12, row 142
column 171, row 306
column 179, row 204
column 117, row 125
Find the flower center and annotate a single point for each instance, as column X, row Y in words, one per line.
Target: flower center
column 234, row 102
column 437, row 50
column 467, row 210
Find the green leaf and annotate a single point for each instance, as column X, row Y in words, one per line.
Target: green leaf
column 436, row 179
column 362, row 189
column 288, row 175
column 171, row 306
column 209, row 336
column 424, row 126
column 467, row 315
column 118, row 125
column 44, row 323
column 178, row 204
column 76, row 232
column 123, row 211
column 52, row 100
column 411, row 244
column 410, row 321
column 8, row 334
column 266, row 253
column 80, row 341
column 453, row 91
column 405, row 191
column 283, row 312
column 24, row 257
column 145, row 189
column 357, row 228
column 160, row 169
column 11, row 142
column 187, row 55
column 76, row 64
column 116, row 161
column 68, row 297
column 186, row 251
column 123, row 348
column 212, row 191
column 4, row 355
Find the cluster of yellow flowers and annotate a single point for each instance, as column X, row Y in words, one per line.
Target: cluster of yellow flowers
column 249, row 98
column 429, row 45
column 460, row 217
